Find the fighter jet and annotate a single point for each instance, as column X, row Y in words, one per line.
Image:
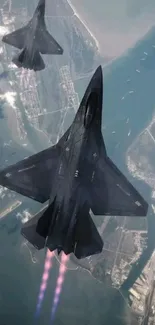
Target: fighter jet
column 33, row 39
column 75, row 175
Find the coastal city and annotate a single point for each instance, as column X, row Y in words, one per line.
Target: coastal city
column 142, row 294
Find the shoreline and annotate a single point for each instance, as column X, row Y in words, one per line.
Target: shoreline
column 84, row 24
column 107, row 37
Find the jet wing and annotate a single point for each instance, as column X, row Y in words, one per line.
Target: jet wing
column 32, row 177
column 63, row 140
column 112, row 194
column 16, row 38
column 46, row 44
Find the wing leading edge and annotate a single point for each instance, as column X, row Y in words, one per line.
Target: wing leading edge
column 112, row 194
column 46, row 44
column 44, row 41
column 31, row 177
column 16, row 38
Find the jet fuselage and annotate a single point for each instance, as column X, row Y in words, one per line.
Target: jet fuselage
column 75, row 175
column 34, row 40
column 75, row 172
column 35, row 26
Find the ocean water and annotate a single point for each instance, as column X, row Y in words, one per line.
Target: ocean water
column 116, row 25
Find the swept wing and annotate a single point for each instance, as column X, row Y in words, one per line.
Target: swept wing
column 112, row 193
column 32, row 177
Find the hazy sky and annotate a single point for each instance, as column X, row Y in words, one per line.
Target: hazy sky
column 117, row 24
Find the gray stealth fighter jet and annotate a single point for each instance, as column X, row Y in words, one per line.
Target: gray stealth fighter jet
column 75, row 175
column 33, row 39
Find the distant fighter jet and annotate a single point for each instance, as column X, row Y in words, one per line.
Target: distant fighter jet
column 75, row 175
column 33, row 39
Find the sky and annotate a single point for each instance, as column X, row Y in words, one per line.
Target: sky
column 117, row 25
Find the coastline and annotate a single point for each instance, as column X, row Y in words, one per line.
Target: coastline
column 113, row 36
column 84, row 24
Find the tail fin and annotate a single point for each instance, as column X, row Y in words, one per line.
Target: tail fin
column 16, row 38
column 81, row 238
column 47, row 220
column 28, row 61
column 37, row 228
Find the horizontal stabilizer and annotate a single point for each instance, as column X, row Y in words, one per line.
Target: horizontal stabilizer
column 46, row 44
column 43, row 41
column 112, row 194
column 32, row 176
column 29, row 231
column 16, row 38
column 87, row 239
column 27, row 61
column 46, row 221
column 81, row 237
column 56, row 235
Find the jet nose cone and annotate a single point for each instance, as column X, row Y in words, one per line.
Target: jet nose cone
column 98, row 72
column 41, row 2
column 96, row 83
column 91, row 105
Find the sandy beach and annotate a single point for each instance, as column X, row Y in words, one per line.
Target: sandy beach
column 114, row 26
column 84, row 23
